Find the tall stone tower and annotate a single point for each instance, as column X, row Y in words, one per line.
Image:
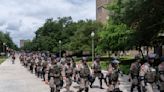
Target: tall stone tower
column 101, row 12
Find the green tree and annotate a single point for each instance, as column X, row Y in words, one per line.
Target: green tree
column 146, row 18
column 5, row 38
column 143, row 19
column 75, row 36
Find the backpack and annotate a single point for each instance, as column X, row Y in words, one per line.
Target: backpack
column 114, row 76
column 161, row 72
column 69, row 71
column 150, row 75
column 97, row 68
column 56, row 71
column 161, row 76
column 85, row 71
column 135, row 70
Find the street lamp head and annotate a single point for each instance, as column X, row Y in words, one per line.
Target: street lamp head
column 64, row 25
column 60, row 41
column 92, row 34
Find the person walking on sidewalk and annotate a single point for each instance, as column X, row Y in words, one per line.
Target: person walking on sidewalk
column 55, row 77
column 96, row 71
column 13, row 58
column 148, row 74
column 68, row 72
column 134, row 73
column 84, row 73
column 113, row 77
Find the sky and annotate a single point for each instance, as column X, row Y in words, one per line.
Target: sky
column 23, row 17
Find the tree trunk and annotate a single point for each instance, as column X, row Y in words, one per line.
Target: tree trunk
column 108, row 52
column 141, row 51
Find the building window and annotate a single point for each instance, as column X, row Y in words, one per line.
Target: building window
column 99, row 10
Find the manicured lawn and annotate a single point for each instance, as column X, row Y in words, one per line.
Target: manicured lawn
column 2, row 59
column 104, row 65
column 124, row 65
column 126, row 57
column 125, row 69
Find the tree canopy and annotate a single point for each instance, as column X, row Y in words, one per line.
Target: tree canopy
column 132, row 23
column 5, row 38
column 74, row 36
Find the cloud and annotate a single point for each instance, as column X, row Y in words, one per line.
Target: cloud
column 14, row 25
column 23, row 17
column 2, row 22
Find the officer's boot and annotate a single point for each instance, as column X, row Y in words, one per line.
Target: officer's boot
column 101, row 84
column 74, row 78
column 139, row 89
column 38, row 74
column 80, row 90
column 44, row 77
column 58, row 90
column 86, row 89
column 132, row 87
column 105, row 80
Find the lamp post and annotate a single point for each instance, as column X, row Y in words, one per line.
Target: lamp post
column 60, row 48
column 4, row 44
column 92, row 35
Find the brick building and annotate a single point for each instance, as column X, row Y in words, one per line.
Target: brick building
column 101, row 12
column 22, row 42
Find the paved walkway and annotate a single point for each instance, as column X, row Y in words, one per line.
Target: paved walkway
column 16, row 78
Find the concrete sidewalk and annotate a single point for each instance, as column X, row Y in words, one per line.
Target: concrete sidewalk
column 16, row 78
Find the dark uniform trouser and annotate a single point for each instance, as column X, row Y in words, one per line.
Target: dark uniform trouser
column 133, row 86
column 55, row 84
column 84, row 84
column 100, row 76
column 43, row 73
column 31, row 68
column 35, row 70
column 135, row 83
column 161, row 86
column 52, row 89
column 68, row 83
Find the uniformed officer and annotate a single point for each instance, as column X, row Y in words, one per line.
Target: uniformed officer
column 55, row 77
column 73, row 64
column 45, row 65
column 13, row 58
column 32, row 64
column 112, row 76
column 63, row 60
column 28, row 62
column 68, row 72
column 21, row 58
column 161, row 74
column 148, row 74
column 134, row 73
column 84, row 73
column 96, row 71
column 39, row 68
